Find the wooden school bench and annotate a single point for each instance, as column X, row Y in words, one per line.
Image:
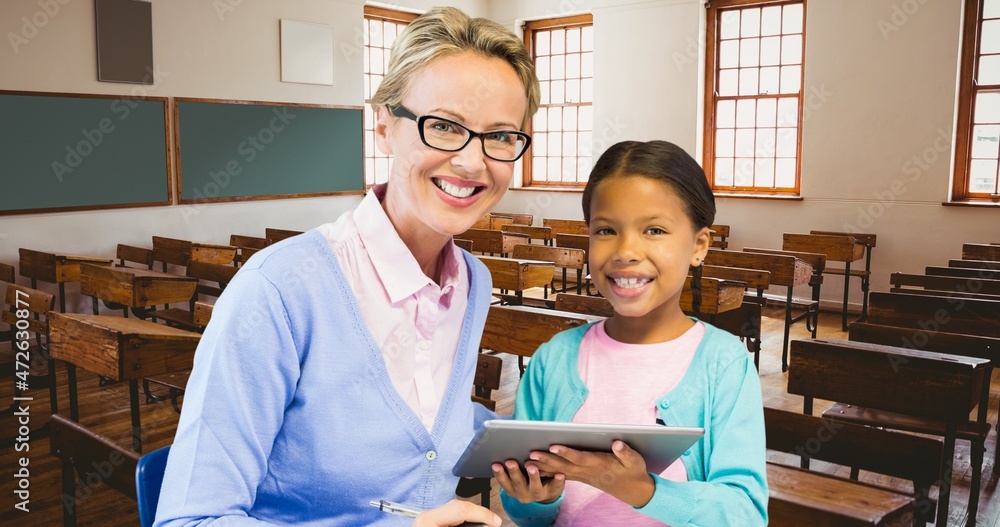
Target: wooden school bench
column 520, row 330
column 55, row 268
column 836, row 248
column 518, row 275
column 179, row 252
column 534, row 233
column 566, row 226
column 981, row 251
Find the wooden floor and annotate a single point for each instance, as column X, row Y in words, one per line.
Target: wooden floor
column 106, row 410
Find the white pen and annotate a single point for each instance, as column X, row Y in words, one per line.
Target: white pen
column 408, row 511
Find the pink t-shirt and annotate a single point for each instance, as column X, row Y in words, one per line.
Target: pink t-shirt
column 415, row 322
column 624, row 380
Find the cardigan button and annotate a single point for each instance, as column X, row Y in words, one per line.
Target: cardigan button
column 664, row 404
column 687, row 452
column 431, row 455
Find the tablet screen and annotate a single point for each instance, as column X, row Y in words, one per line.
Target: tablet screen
column 500, row 440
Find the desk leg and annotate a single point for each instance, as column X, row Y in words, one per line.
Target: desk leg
column 948, row 461
column 94, row 306
column 62, row 297
column 133, row 399
column 74, row 409
column 69, row 493
column 865, row 284
column 53, row 397
column 847, row 284
column 788, row 328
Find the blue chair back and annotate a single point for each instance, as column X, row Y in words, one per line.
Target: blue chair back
column 148, row 477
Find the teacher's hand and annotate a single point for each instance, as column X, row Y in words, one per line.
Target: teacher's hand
column 456, row 512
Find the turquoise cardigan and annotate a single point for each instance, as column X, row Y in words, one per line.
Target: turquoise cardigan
column 720, row 392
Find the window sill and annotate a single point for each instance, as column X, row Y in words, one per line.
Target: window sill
column 981, row 204
column 549, row 189
column 783, row 197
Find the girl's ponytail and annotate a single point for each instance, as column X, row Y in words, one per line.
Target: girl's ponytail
column 696, row 290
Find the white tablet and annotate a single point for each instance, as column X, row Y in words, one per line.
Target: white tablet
column 503, row 439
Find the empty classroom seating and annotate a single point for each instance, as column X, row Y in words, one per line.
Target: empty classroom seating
column 562, row 258
column 520, row 330
column 566, row 226
column 6, row 273
column 171, row 251
column 518, row 218
column 962, row 272
column 544, row 234
column 981, row 251
column 493, row 242
column 176, row 382
column 246, row 246
column 274, row 236
column 944, row 285
column 837, row 248
column 25, row 355
column 138, row 255
column 895, row 454
column 89, row 457
column 720, row 236
column 910, row 382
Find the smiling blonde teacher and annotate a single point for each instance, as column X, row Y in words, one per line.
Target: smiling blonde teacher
column 338, row 364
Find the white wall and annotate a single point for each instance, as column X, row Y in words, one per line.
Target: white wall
column 880, row 88
column 882, row 85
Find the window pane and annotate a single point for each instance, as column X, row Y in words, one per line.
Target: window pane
column 724, row 172
column 587, row 90
column 538, row 165
column 587, row 65
column 784, row 173
column 573, row 90
column 989, row 70
column 748, row 81
column 369, row 171
column 728, row 82
column 558, row 41
column 725, row 142
column 791, row 49
column 765, row 146
column 539, row 123
column 369, row 117
column 769, row 80
column 381, row 170
column 744, row 172
column 770, row 20
column 990, row 40
column 558, row 67
column 558, row 92
column 542, row 68
column 555, row 118
column 585, row 144
column 749, row 52
column 786, row 142
column 541, row 42
column 555, row 144
column 539, row 144
column 791, row 21
column 985, row 142
column 573, row 66
column 583, row 168
column 764, row 173
column 375, row 33
column 729, row 54
column 988, row 107
column 375, row 63
column 991, row 9
column 570, row 172
column 725, row 114
column 744, row 142
column 730, row 24
column 569, row 144
column 746, row 113
column 569, row 118
column 770, row 51
column 390, row 34
column 586, row 118
column 368, row 87
column 791, row 79
column 545, row 89
column 983, row 175
column 554, row 168
column 573, row 40
column 369, row 144
column 587, row 38
column 766, row 113
column 788, row 111
column 750, row 23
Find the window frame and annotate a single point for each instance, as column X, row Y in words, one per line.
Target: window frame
column 713, row 15
column 528, row 29
column 971, row 38
column 384, row 15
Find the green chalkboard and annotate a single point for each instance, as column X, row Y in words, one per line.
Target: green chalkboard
column 77, row 152
column 241, row 151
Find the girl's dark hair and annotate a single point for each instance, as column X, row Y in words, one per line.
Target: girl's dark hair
column 666, row 162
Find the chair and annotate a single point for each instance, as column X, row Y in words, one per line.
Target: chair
column 720, row 236
column 148, row 478
column 18, row 302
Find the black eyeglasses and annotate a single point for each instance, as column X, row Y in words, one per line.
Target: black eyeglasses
column 449, row 136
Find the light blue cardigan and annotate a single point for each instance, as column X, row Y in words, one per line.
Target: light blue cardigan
column 720, row 392
column 290, row 416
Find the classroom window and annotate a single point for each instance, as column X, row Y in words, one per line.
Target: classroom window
column 380, row 30
column 561, row 132
column 977, row 147
column 753, row 96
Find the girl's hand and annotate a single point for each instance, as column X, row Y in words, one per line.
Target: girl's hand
column 456, row 512
column 536, row 487
column 621, row 473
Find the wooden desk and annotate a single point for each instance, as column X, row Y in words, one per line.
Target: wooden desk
column 787, row 271
column 838, row 247
column 493, row 242
column 566, row 226
column 981, row 251
column 518, row 274
column 55, row 268
column 717, row 296
column 519, row 330
column 799, row 497
column 180, row 252
column 120, row 349
column 134, row 287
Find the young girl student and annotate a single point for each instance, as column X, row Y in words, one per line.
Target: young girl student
column 648, row 207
